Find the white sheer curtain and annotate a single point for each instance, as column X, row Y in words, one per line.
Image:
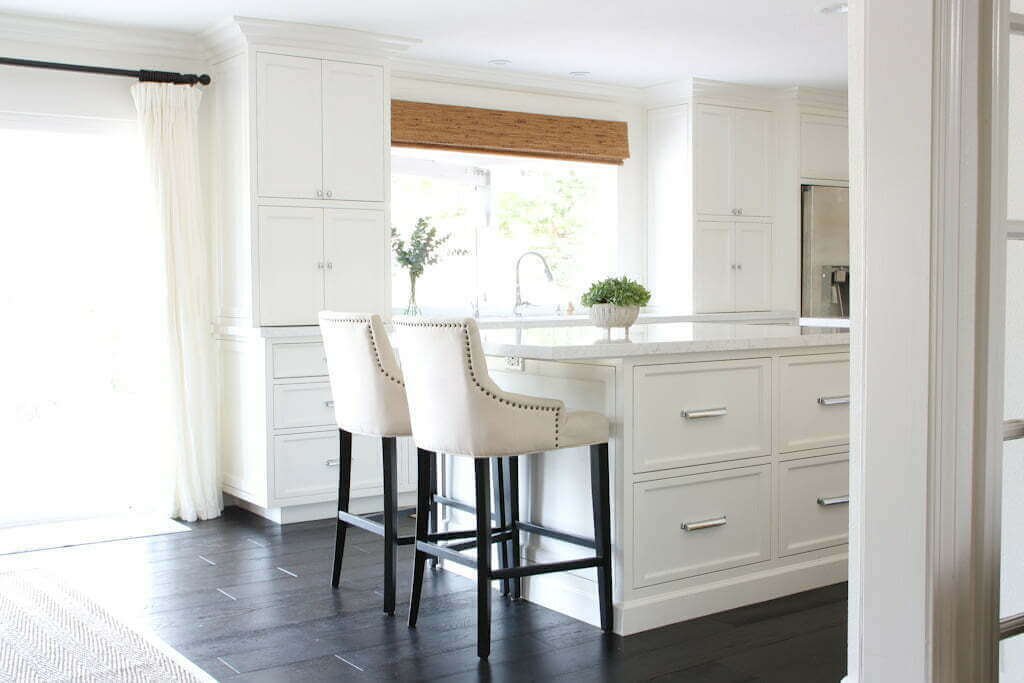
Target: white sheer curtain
column 169, row 127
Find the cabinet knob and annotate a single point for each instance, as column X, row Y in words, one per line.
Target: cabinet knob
column 734, row 212
column 320, row 265
column 332, row 462
column 739, row 212
column 330, row 265
column 739, row 266
column 319, row 194
column 329, row 194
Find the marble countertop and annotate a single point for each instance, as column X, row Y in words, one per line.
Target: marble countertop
column 649, row 339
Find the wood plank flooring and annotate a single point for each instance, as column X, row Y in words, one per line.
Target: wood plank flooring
column 248, row 600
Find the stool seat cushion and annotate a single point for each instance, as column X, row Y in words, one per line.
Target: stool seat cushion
column 582, row 428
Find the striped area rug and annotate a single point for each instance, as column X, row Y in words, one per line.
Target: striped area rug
column 51, row 632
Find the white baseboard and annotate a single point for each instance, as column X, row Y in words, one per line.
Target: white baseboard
column 293, row 514
column 576, row 596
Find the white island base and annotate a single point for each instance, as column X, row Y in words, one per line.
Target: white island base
column 729, row 464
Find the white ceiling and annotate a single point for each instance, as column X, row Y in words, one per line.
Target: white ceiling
column 626, row 42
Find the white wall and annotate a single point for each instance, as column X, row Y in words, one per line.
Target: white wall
column 632, row 189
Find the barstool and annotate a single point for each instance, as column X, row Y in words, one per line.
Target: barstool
column 368, row 394
column 456, row 408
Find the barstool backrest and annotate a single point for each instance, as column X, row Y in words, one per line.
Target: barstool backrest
column 455, row 406
column 366, row 381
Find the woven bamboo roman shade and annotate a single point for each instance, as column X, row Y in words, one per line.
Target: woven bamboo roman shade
column 468, row 129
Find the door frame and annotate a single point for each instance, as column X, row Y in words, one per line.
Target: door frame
column 927, row 114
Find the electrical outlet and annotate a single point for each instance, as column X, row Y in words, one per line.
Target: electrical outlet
column 513, row 363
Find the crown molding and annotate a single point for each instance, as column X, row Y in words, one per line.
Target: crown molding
column 518, row 81
column 39, row 30
column 235, row 34
column 818, row 98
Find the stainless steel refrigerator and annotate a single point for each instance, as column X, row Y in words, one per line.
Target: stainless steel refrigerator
column 825, row 262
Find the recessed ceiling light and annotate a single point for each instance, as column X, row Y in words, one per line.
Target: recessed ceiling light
column 579, row 74
column 837, row 8
column 499, row 62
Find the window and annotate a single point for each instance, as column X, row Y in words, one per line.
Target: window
column 82, row 412
column 495, row 209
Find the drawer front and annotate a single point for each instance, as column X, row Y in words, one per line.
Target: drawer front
column 814, row 402
column 693, row 413
column 701, row 523
column 306, row 465
column 813, row 503
column 303, row 405
column 305, row 359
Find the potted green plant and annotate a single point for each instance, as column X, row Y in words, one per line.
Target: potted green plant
column 615, row 302
column 422, row 249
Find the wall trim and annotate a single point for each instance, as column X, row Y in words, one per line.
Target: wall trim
column 52, row 31
column 440, row 72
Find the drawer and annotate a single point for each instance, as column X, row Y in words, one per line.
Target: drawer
column 814, row 402
column 701, row 523
column 813, row 503
column 306, row 464
column 693, row 413
column 303, row 405
column 302, row 359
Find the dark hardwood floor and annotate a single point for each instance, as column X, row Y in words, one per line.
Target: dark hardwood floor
column 249, row 600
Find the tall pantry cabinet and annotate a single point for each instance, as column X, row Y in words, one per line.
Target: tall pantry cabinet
column 711, row 201
column 300, row 175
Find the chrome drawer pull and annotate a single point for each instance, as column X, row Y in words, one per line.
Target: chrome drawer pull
column 836, row 500
column 332, row 462
column 834, row 400
column 704, row 412
column 329, row 404
column 704, row 524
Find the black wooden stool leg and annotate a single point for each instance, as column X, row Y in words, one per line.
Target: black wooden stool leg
column 432, row 527
column 390, row 451
column 499, row 513
column 512, row 507
column 600, row 493
column 344, row 487
column 423, row 513
column 483, row 558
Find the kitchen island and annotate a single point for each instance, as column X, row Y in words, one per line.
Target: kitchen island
column 729, row 460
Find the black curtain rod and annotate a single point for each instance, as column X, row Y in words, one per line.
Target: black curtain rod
column 142, row 74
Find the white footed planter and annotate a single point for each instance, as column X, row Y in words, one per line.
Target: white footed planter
column 610, row 315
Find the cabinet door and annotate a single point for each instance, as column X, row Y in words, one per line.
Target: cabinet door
column 288, row 127
column 752, row 253
column 713, row 267
column 354, row 143
column 751, row 162
column 712, row 160
column 824, row 148
column 291, row 277
column 356, row 253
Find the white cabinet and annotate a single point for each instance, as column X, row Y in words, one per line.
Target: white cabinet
column 320, row 129
column 695, row 413
column 732, row 267
column 355, row 254
column 289, row 126
column 291, row 276
column 732, row 161
column 353, row 97
column 814, row 503
column 311, row 259
column 701, row 523
column 824, row 148
column 814, row 402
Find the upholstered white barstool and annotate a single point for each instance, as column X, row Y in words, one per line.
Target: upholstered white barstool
column 456, row 408
column 369, row 399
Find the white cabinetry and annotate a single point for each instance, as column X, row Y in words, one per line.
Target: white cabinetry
column 320, row 128
column 312, row 259
column 711, row 203
column 732, row 267
column 824, row 148
column 299, row 171
column 732, row 164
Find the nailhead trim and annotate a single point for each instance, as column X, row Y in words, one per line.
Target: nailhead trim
column 472, row 372
column 373, row 343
